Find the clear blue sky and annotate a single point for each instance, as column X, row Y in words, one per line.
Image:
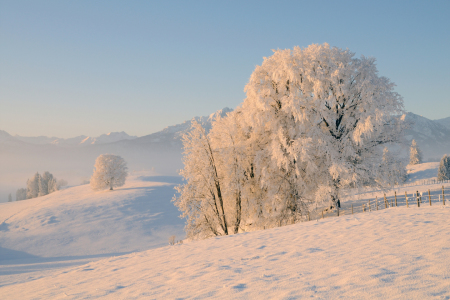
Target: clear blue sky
column 90, row 67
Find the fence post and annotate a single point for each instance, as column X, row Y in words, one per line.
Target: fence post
column 337, row 210
column 352, row 209
column 309, row 219
column 385, row 201
column 395, row 194
column 429, row 196
column 406, row 196
column 376, row 199
column 443, row 197
column 392, row 202
column 417, row 198
column 370, row 207
column 364, row 208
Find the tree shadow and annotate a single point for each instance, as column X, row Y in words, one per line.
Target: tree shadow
column 155, row 211
column 17, row 262
column 423, row 175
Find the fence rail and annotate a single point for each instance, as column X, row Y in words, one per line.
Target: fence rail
column 415, row 183
column 428, row 198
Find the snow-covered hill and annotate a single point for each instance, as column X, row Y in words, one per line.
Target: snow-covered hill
column 397, row 253
column 78, row 221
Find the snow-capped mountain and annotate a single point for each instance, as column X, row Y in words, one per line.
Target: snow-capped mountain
column 81, row 140
column 173, row 134
column 109, row 138
column 432, row 136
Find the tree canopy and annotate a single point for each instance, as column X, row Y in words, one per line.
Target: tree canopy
column 315, row 121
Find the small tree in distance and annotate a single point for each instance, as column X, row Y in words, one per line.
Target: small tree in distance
column 444, row 168
column 109, row 171
column 415, row 155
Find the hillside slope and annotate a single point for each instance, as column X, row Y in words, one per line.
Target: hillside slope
column 78, row 221
column 397, row 253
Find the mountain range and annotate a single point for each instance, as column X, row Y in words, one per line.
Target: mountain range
column 73, row 159
column 81, row 140
column 432, row 136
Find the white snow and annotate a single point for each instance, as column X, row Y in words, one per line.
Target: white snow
column 395, row 253
column 399, row 253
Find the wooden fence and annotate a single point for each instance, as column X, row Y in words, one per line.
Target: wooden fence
column 402, row 199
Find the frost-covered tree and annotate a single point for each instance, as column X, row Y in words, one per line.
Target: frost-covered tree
column 109, row 171
column 392, row 171
column 52, row 185
column 444, row 168
column 234, row 168
column 33, row 186
column 322, row 117
column 201, row 197
column 9, row 198
column 315, row 121
column 43, row 183
column 21, row 194
column 415, row 155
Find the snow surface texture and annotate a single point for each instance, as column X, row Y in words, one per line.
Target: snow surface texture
column 395, row 253
column 398, row 253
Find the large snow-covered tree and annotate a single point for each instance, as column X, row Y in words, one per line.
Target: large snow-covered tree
column 444, row 168
column 109, row 171
column 323, row 117
column 315, row 121
column 415, row 155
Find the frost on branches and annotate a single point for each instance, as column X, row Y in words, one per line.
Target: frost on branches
column 392, row 171
column 109, row 171
column 415, row 155
column 444, row 168
column 315, row 121
column 38, row 186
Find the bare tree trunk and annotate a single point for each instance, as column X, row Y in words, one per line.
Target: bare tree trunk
column 217, row 186
column 238, row 212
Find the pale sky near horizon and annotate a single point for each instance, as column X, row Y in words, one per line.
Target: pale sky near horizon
column 70, row 68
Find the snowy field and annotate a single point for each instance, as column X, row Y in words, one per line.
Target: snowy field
column 398, row 253
column 77, row 225
column 78, row 244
